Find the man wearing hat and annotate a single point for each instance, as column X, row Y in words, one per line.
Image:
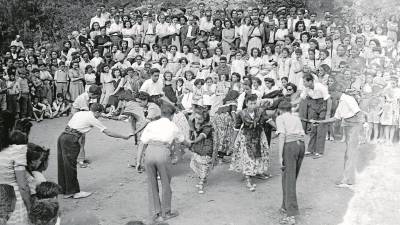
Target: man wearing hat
column 69, row 146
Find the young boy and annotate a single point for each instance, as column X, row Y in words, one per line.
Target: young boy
column 24, row 95
column 38, row 109
column 291, row 153
column 61, row 79
column 60, row 106
column 3, row 93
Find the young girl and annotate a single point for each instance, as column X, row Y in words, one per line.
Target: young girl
column 179, row 87
column 235, row 82
column 198, row 92
column 48, row 111
column 202, row 146
column 374, row 108
column 205, row 65
column 106, row 79
column 90, row 77
column 212, row 44
column 284, row 64
column 216, row 57
column 239, row 64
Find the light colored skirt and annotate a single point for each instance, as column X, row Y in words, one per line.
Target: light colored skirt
column 108, row 89
column 201, row 165
column 76, row 89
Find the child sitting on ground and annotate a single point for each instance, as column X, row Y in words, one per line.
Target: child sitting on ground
column 48, row 111
column 38, row 109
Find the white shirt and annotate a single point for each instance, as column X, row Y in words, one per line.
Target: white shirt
column 348, row 107
column 114, row 28
column 152, row 88
column 84, row 121
column 162, row 130
column 100, row 20
column 81, row 102
column 319, row 91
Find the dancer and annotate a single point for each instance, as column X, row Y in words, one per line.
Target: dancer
column 352, row 118
column 69, row 146
column 203, row 150
column 81, row 103
column 251, row 156
column 157, row 137
column 319, row 103
column 291, row 153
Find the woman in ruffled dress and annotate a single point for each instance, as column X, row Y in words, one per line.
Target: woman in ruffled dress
column 250, row 156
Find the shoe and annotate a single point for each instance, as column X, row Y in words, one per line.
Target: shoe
column 307, row 153
column 170, row 215
column 288, row 220
column 317, row 156
column 263, row 176
column 343, row 185
column 282, row 211
column 82, row 194
column 67, row 196
column 83, row 164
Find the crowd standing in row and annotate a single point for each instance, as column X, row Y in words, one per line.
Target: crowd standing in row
column 227, row 72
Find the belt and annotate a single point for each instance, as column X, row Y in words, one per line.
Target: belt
column 298, row 142
column 71, row 131
column 158, row 143
column 150, row 34
column 61, row 82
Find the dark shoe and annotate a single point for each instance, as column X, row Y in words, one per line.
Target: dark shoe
column 157, row 219
column 170, row 215
column 317, row 156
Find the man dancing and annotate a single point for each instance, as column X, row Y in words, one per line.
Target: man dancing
column 68, row 146
column 157, row 138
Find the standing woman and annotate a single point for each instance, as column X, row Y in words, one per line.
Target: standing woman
column 228, row 37
column 69, row 145
column 174, row 32
column 106, row 79
column 76, row 81
column 255, row 36
column 251, row 156
column 291, row 153
column 393, row 28
column 281, row 32
column 202, row 147
column 244, row 31
column 128, row 33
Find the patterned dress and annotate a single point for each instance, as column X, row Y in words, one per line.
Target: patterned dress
column 251, row 154
column 201, row 162
column 223, row 123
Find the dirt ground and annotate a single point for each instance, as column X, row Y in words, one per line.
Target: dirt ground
column 120, row 192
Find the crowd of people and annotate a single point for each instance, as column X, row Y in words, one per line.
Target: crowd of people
column 236, row 78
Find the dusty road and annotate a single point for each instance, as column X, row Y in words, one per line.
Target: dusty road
column 120, row 192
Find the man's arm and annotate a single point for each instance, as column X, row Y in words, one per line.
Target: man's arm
column 116, row 135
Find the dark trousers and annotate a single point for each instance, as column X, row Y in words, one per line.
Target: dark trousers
column 316, row 109
column 293, row 154
column 157, row 161
column 68, row 148
column 12, row 104
column 25, row 105
column 268, row 133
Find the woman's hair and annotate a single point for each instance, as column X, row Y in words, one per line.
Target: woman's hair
column 255, row 48
column 270, row 80
column 167, row 109
column 18, row 137
column 167, row 72
column 307, row 34
column 237, row 75
column 198, row 81
column 47, row 189
column 296, row 27
column 188, row 72
column 160, row 60
column 88, row 67
column 183, row 59
column 34, row 153
column 256, row 79
column 293, row 86
column 208, row 78
column 43, row 211
column 315, row 42
column 204, row 114
column 113, row 72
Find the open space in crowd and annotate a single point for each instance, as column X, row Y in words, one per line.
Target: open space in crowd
column 228, row 86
